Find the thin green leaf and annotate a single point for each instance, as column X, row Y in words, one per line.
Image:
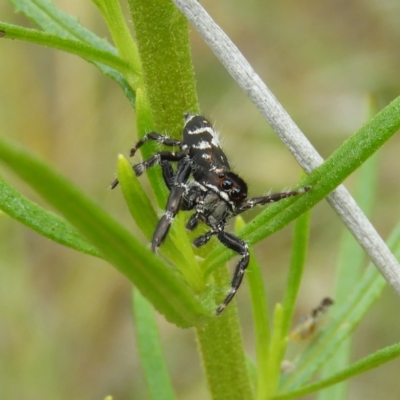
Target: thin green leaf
column 366, row 364
column 72, row 46
column 146, row 218
column 261, row 322
column 150, row 350
column 52, row 20
column 261, row 318
column 43, row 222
column 363, row 295
column 299, row 252
column 112, row 13
column 181, row 256
column 156, row 280
column 139, row 204
column 275, row 351
column 323, row 180
column 145, row 124
column 347, row 278
column 284, row 314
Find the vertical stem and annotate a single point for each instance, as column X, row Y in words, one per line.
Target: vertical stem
column 221, row 347
column 163, row 40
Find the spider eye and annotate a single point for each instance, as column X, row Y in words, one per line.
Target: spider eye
column 235, row 193
column 226, row 184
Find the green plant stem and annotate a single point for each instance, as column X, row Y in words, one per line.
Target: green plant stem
column 163, row 42
column 111, row 11
column 221, row 348
column 162, row 37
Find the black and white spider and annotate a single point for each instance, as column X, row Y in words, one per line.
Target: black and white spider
column 203, row 182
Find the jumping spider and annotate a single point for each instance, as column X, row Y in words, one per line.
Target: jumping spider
column 203, row 182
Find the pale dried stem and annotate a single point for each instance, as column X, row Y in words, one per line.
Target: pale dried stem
column 306, row 155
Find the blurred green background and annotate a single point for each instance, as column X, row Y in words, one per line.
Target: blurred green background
column 66, row 329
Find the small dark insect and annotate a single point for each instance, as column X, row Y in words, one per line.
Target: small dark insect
column 307, row 325
column 203, row 182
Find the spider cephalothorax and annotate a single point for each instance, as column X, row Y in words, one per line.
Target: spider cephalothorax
column 203, row 182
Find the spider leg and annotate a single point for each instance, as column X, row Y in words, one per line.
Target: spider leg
column 167, row 173
column 238, row 245
column 173, row 204
column 157, row 158
column 155, row 137
column 193, row 195
column 272, row 198
column 193, row 222
column 198, row 215
column 202, row 240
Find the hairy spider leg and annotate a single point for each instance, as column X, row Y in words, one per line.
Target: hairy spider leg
column 155, row 159
column 238, row 245
column 174, row 203
column 167, row 173
column 155, row 137
column 272, row 198
column 199, row 214
column 202, row 240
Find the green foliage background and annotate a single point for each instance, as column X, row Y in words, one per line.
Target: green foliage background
column 65, row 317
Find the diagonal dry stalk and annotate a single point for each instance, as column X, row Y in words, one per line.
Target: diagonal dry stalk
column 306, row 155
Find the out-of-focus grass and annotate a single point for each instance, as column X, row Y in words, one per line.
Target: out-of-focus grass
column 66, row 336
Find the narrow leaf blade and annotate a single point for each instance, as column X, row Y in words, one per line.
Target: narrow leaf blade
column 150, row 350
column 157, row 281
column 44, row 222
